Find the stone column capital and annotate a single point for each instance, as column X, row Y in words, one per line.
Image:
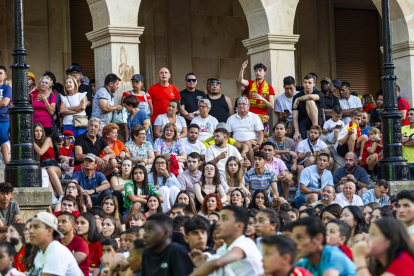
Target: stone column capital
column 115, row 34
column 270, row 42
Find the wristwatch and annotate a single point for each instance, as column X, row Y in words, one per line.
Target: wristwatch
column 195, row 113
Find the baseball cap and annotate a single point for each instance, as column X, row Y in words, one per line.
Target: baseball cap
column 336, row 83
column 137, row 77
column 75, row 67
column 68, row 132
column 90, row 156
column 49, row 220
column 326, row 79
column 222, row 125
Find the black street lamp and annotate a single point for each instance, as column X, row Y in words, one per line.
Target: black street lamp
column 393, row 166
column 22, row 170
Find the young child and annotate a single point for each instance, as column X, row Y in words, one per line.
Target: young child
column 333, row 126
column 136, row 219
column 372, row 151
column 7, row 255
column 68, row 205
column 109, row 246
column 128, row 237
column 67, row 150
column 337, row 234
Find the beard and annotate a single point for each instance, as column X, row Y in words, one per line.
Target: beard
column 219, row 143
column 350, row 167
column 313, row 140
column 363, row 125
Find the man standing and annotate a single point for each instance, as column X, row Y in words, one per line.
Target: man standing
column 408, row 142
column 405, row 209
column 330, row 99
column 76, row 72
column 53, row 257
column 349, row 103
column 327, row 197
column 378, row 194
column 191, row 142
column 351, row 172
column 246, row 127
column 103, row 102
column 403, row 106
column 283, row 104
column 221, row 105
column 190, row 97
column 162, row 93
column 76, row 244
column 205, row 121
column 307, row 108
column 5, row 98
column 348, row 196
column 260, row 94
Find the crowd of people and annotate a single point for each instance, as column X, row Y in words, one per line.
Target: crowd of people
column 197, row 185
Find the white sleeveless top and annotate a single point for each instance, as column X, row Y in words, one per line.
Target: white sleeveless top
column 72, row 101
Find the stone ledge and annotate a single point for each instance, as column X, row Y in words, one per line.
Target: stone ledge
column 32, row 197
column 398, row 186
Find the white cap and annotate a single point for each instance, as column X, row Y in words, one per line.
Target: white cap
column 49, row 220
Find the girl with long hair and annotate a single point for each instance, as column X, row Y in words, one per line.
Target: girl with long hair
column 238, row 198
column 381, row 212
column 368, row 102
column 154, row 205
column 235, row 175
column 123, row 176
column 260, row 200
column 332, row 211
column 211, row 203
column 110, row 206
column 30, row 249
column 75, row 190
column 185, row 198
column 15, row 235
column 367, row 210
column 111, row 227
column 209, row 183
column 354, row 217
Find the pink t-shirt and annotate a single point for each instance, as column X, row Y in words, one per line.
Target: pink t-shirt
column 41, row 114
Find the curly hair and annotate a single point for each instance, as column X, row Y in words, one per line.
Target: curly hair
column 218, row 202
column 6, row 188
column 108, row 128
column 216, row 178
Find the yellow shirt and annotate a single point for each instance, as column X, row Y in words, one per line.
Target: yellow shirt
column 408, row 151
column 210, row 141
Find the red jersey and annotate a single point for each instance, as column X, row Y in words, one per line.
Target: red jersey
column 78, row 244
column 368, row 108
column 161, row 97
column 347, row 251
column 18, row 260
column 67, row 152
column 257, row 106
column 95, row 254
column 402, row 265
column 365, row 153
column 75, row 213
column 141, row 99
column 403, row 105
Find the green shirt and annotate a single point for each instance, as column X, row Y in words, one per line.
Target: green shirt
column 129, row 189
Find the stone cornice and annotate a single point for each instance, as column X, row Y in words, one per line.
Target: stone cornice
column 115, row 34
column 270, row 42
column 401, row 50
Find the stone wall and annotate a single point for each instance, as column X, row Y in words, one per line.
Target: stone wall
column 200, row 36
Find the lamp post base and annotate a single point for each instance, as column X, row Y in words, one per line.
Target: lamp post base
column 394, row 170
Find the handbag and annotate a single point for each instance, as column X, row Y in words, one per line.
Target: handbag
column 79, row 121
column 120, row 116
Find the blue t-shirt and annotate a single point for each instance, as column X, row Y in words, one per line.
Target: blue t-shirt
column 359, row 173
column 139, row 119
column 5, row 92
column 310, row 178
column 89, row 184
column 365, row 131
column 332, row 258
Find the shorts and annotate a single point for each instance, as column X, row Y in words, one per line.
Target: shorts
column 288, row 166
column 301, row 198
column 48, row 163
column 342, row 150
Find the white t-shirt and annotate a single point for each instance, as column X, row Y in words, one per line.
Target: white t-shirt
column 72, row 101
column 207, row 126
column 352, row 102
column 197, row 147
column 342, row 134
column 330, row 124
column 57, row 260
column 341, row 200
column 162, row 120
column 213, row 151
column 244, row 129
column 251, row 264
column 303, row 147
column 282, row 103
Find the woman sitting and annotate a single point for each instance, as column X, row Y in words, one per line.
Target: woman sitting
column 111, row 208
column 48, row 151
column 169, row 144
column 211, row 203
column 44, row 104
column 72, row 104
column 332, row 211
column 137, row 191
column 260, row 200
column 237, row 198
column 123, row 176
column 209, row 183
column 154, row 205
column 140, row 149
column 75, row 190
column 171, row 117
column 110, row 134
column 184, row 197
column 136, row 117
column 165, row 182
column 111, row 228
column 16, row 231
column 354, row 217
column 235, row 175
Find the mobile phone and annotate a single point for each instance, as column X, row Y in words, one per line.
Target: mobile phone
column 338, row 126
column 286, row 111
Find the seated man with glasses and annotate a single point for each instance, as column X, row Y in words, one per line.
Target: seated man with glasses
column 312, row 180
column 190, row 97
column 205, row 121
column 327, row 197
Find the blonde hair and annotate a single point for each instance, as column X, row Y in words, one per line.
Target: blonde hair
column 75, row 83
column 373, row 130
column 238, row 176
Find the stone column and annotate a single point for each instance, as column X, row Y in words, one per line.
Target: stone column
column 277, row 52
column 403, row 56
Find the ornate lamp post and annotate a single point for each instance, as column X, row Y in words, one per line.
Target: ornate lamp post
column 22, row 170
column 393, row 166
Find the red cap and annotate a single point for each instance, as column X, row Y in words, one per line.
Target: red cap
column 69, row 132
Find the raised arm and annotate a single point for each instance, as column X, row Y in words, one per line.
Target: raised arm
column 242, row 81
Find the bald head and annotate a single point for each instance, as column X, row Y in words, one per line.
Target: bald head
column 349, row 189
column 164, row 75
column 350, row 161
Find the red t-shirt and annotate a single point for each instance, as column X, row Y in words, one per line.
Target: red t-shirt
column 141, row 99
column 299, row 271
column 78, row 244
column 161, row 97
column 368, row 108
column 95, row 254
column 403, row 105
column 367, row 145
column 67, row 152
column 347, row 251
column 18, row 260
column 262, row 108
column 402, row 265
column 75, row 213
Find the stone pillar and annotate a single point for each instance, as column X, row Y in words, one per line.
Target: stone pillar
column 277, row 52
column 403, row 56
column 32, row 200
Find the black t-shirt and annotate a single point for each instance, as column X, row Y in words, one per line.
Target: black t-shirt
column 302, row 104
column 190, row 100
column 173, row 261
column 331, row 101
column 86, row 88
column 87, row 145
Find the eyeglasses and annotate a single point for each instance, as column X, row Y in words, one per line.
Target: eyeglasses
column 71, row 187
column 160, row 163
column 242, row 104
column 191, row 80
column 142, row 133
column 202, row 106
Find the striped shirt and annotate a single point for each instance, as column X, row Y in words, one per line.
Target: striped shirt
column 256, row 182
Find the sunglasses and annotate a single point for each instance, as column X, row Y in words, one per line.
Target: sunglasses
column 191, row 80
column 319, row 183
column 215, row 81
column 61, row 137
